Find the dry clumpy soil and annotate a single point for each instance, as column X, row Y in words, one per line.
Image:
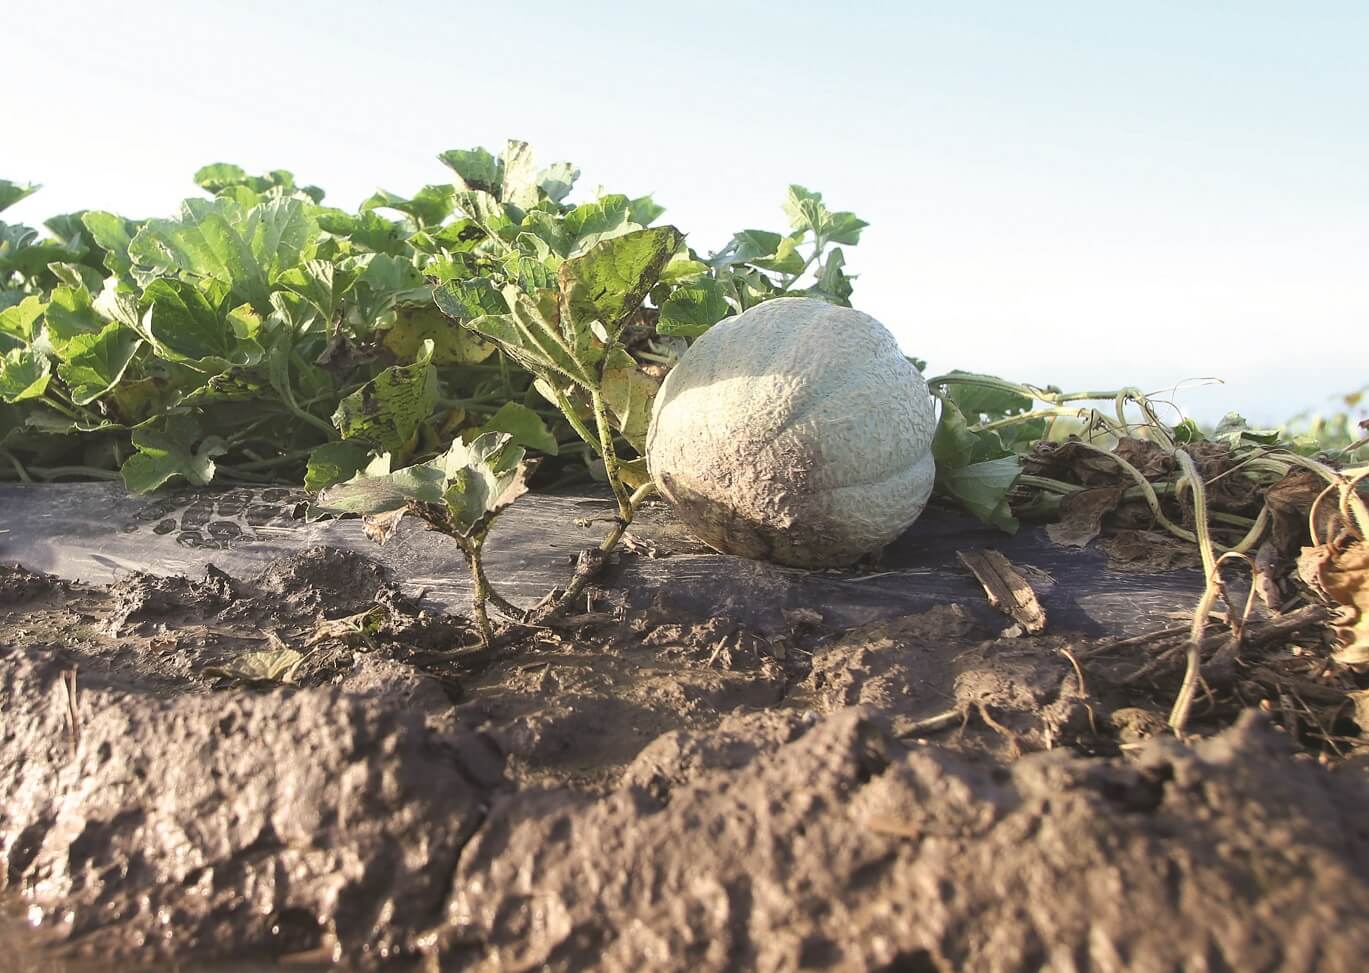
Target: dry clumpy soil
column 642, row 791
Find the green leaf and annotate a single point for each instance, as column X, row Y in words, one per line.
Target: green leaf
column 974, row 468
column 1234, row 431
column 485, row 211
column 23, row 374
column 70, row 314
column 17, row 322
column 370, row 231
column 629, row 392
column 844, row 228
column 557, row 180
column 982, row 489
column 219, row 176
column 95, row 363
column 186, row 327
column 466, row 300
column 175, row 450
column 807, row 212
column 12, row 192
column 610, row 281
column 644, row 211
column 112, row 234
column 833, row 284
column 589, row 223
column 524, row 427
column 748, row 245
column 980, row 401
column 693, row 308
column 388, row 410
column 482, row 478
column 785, row 260
column 321, row 284
column 219, row 240
column 549, row 230
column 334, row 463
column 429, row 206
column 475, row 168
column 530, row 334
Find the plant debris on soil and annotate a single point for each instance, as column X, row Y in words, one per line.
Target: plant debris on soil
column 299, row 765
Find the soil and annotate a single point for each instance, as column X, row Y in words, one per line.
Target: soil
column 641, row 788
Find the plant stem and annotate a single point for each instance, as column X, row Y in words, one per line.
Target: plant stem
column 576, row 423
column 18, row 466
column 615, row 480
column 284, row 459
column 481, row 594
column 1178, row 716
column 90, row 472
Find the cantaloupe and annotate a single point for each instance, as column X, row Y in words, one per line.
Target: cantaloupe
column 795, row 432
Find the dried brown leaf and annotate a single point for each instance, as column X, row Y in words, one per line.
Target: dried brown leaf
column 1344, row 575
column 1081, row 515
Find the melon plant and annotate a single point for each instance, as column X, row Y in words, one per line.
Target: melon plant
column 796, row 432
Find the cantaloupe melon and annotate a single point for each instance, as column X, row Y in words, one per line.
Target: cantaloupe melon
column 795, row 432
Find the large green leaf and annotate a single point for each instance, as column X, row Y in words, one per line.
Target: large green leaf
column 70, row 313
column 112, row 234
column 977, row 397
column 186, row 327
column 982, row 489
column 610, row 281
column 974, row 468
column 388, row 410
column 589, row 223
column 693, row 308
column 466, row 300
column 475, row 168
column 23, row 374
column 95, row 363
column 177, row 449
column 218, row 239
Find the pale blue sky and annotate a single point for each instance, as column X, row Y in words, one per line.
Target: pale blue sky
column 1090, row 194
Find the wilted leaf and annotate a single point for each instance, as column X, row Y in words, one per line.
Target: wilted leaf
column 388, row 410
column 264, row 667
column 452, row 343
column 610, row 281
column 1082, row 513
column 1344, row 575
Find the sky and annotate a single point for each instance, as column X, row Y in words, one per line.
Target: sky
column 1088, row 195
